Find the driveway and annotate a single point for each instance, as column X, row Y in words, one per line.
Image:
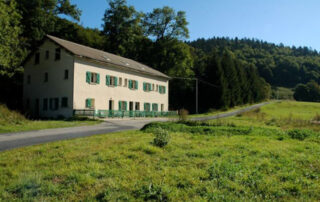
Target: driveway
column 21, row 139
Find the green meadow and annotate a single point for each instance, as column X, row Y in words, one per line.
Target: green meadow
column 271, row 153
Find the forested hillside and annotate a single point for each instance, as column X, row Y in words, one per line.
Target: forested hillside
column 279, row 65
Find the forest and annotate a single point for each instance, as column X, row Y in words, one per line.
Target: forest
column 230, row 71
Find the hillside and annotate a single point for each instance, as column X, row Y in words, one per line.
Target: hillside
column 279, row 65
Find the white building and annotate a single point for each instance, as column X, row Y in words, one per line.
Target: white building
column 62, row 77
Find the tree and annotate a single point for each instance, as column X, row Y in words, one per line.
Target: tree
column 10, row 44
column 39, row 17
column 307, row 92
column 166, row 23
column 121, row 28
column 78, row 34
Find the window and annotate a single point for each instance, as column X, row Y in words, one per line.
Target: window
column 90, row 103
column 162, row 107
column 92, row 78
column 125, row 82
column 46, row 77
column 37, row 58
column 157, row 87
column 162, row 89
column 133, row 84
column 122, row 106
column 120, row 81
column 66, row 74
column 28, row 79
column 47, row 55
column 153, row 87
column 147, row 107
column 155, row 107
column 147, row 87
column 45, row 104
column 54, row 103
column 111, row 80
column 58, row 54
column 137, row 106
column 64, row 102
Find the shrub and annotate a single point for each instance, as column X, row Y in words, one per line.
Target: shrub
column 183, row 114
column 162, row 137
column 298, row 134
column 316, row 117
column 152, row 192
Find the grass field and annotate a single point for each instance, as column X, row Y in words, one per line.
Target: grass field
column 282, row 93
column 225, row 160
column 11, row 121
column 282, row 115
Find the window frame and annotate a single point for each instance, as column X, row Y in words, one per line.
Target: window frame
column 120, row 81
column 47, row 55
column 66, row 74
column 45, row 104
column 29, row 79
column 57, row 54
column 137, row 106
column 37, row 58
column 46, row 77
column 64, row 102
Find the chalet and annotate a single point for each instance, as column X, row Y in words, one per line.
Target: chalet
column 63, row 78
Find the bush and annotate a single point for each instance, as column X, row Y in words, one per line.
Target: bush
column 298, row 134
column 316, row 117
column 162, row 137
column 183, row 114
column 152, row 192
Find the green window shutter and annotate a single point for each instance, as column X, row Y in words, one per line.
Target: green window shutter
column 125, row 105
column 98, row 78
column 119, row 105
column 164, row 89
column 88, row 103
column 108, row 80
column 136, row 86
column 149, row 84
column 88, row 77
column 144, row 86
column 115, row 81
column 130, row 84
column 145, row 106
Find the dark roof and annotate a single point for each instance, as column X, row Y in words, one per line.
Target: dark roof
column 99, row 55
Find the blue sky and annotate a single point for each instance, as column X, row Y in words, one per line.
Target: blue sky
column 292, row 22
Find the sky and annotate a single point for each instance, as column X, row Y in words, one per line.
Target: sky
column 291, row 22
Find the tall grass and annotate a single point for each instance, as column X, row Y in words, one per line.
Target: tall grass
column 10, row 117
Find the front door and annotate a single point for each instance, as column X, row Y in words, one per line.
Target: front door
column 130, row 106
column 110, row 104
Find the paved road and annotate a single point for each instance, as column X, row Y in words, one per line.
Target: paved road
column 21, row 139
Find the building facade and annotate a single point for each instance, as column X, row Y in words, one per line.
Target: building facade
column 62, row 77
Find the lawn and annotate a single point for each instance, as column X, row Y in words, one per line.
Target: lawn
column 282, row 115
column 219, row 161
column 11, row 121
